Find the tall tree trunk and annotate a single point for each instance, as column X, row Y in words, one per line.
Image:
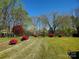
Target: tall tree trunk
column 50, row 29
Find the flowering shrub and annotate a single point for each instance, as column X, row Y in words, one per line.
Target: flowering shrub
column 18, row 30
column 24, row 38
column 13, row 41
column 50, row 34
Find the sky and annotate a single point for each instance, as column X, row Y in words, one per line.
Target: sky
column 39, row 7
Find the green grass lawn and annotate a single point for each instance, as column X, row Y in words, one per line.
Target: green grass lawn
column 67, row 43
column 39, row 48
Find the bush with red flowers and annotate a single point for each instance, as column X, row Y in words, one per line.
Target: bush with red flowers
column 50, row 34
column 24, row 38
column 13, row 41
column 18, row 30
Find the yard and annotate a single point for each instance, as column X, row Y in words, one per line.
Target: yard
column 39, row 48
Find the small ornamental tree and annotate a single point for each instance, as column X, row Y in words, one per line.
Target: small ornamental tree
column 18, row 30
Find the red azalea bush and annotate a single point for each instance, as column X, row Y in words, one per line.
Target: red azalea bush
column 18, row 30
column 13, row 41
column 50, row 34
column 24, row 38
